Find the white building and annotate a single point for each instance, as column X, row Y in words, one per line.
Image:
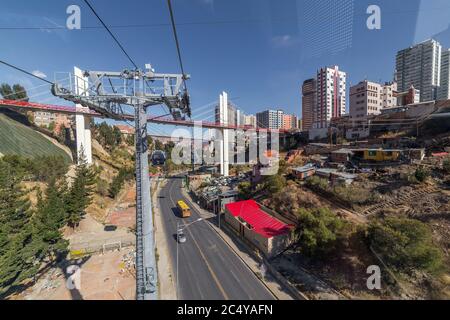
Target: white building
column 270, row 119
column 368, row 98
column 331, row 100
column 420, row 66
column 250, row 120
column 232, row 115
column 331, row 85
column 388, row 92
column 444, row 90
column 365, row 99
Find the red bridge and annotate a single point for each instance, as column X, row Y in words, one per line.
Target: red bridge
column 32, row 106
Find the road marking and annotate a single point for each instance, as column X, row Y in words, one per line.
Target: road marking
column 238, row 263
column 213, row 274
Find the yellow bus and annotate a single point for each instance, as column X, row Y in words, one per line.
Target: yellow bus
column 184, row 209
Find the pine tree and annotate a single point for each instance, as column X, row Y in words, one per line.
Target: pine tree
column 17, row 255
column 14, row 206
column 48, row 220
column 80, row 195
column 17, row 92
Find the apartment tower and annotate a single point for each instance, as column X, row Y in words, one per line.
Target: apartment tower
column 330, row 97
column 420, row 66
column 309, row 95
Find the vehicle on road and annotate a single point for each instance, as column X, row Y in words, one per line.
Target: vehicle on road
column 158, row 158
column 184, row 209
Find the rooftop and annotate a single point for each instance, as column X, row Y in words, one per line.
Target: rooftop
column 261, row 222
column 305, row 168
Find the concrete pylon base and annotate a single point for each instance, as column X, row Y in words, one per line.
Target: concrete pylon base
column 82, row 122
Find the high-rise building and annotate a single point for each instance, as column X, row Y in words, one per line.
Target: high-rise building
column 232, row 115
column 309, row 96
column 330, row 99
column 295, row 122
column 240, row 118
column 270, row 119
column 289, row 122
column 444, row 90
column 420, row 66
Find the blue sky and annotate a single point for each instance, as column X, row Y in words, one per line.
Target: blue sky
column 259, row 51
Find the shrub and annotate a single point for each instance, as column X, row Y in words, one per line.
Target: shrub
column 245, row 190
column 355, row 195
column 446, row 166
column 274, row 183
column 119, row 180
column 291, row 198
column 404, row 244
column 102, row 187
column 318, row 231
column 421, row 174
column 317, row 182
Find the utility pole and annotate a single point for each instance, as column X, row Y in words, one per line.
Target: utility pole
column 134, row 91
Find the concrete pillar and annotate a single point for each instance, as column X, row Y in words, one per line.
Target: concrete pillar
column 221, row 134
column 82, row 122
column 225, row 161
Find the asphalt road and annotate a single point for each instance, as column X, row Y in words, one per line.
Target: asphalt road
column 208, row 268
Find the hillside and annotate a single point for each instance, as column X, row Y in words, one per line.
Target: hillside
column 16, row 138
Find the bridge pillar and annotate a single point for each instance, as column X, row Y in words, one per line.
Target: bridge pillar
column 224, row 150
column 82, row 122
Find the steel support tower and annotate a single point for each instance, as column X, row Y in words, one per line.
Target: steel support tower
column 110, row 93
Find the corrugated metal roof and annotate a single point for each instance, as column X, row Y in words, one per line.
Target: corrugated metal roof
column 260, row 221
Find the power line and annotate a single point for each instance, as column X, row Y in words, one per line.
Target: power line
column 231, row 21
column 24, row 71
column 177, row 43
column 112, row 35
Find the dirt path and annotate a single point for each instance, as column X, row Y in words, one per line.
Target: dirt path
column 102, row 277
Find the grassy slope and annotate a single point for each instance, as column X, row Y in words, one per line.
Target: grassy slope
column 15, row 138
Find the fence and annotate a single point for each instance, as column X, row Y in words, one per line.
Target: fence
column 85, row 248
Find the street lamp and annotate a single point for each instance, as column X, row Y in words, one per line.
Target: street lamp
column 181, row 238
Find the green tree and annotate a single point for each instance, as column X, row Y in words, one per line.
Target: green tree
column 168, row 149
column 159, row 145
column 318, row 230
column 119, row 180
column 80, row 194
column 446, row 166
column 14, row 205
column 274, row 183
column 108, row 136
column 283, row 166
column 117, row 136
column 49, row 218
column 421, row 174
column 245, row 190
column 16, row 250
column 52, row 126
column 26, row 236
column 317, row 182
column 17, row 92
column 404, row 244
column 130, row 140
